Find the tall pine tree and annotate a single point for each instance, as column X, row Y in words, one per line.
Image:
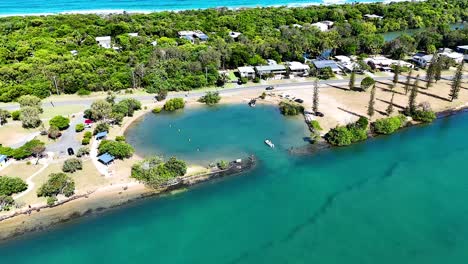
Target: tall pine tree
column 389, row 109
column 408, row 81
column 412, row 97
column 315, row 101
column 352, row 79
column 431, row 71
column 396, row 75
column 370, row 108
column 456, row 82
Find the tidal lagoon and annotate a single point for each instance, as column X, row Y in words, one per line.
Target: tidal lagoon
column 396, row 199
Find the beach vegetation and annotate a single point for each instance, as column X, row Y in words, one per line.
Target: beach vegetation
column 31, row 148
column 54, row 132
column 366, row 83
column 30, row 117
column 15, row 115
column 174, row 104
column 290, row 109
column 154, row 172
column 60, row 122
column 388, row 125
column 79, row 127
column 210, row 98
column 118, row 149
column 456, row 82
column 4, row 115
column 223, row 165
column 351, row 133
column 315, row 125
column 71, row 165
column 157, row 110
column 425, row 116
column 6, row 201
column 11, row 185
column 83, row 151
column 100, row 127
column 56, row 184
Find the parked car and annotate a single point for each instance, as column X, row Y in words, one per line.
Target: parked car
column 299, row 100
column 320, row 114
column 70, row 151
column 269, row 88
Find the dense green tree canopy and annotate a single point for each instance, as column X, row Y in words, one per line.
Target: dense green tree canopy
column 36, row 58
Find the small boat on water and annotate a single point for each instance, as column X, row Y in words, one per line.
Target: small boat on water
column 269, row 143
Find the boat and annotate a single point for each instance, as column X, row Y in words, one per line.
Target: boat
column 252, row 103
column 269, row 143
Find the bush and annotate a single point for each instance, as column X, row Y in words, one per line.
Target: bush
column 15, row 115
column 154, row 172
column 174, row 104
column 161, row 96
column 157, row 110
column 60, row 122
column 72, row 165
column 315, row 125
column 388, row 125
column 27, row 150
column 119, row 150
column 88, row 135
column 346, row 135
column 83, row 151
column 79, row 127
column 120, row 138
column 223, row 165
column 290, row 109
column 366, row 83
column 51, row 200
column 101, row 127
column 210, row 98
column 244, row 80
column 263, row 96
column 256, row 79
column 11, row 185
column 83, row 91
column 424, row 116
column 85, row 141
column 58, row 183
column 6, row 202
column 54, row 132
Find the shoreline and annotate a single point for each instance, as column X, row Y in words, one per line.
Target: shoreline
column 119, row 11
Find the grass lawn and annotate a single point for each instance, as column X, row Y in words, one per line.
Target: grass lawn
column 85, row 180
column 13, row 132
column 64, row 110
column 21, row 170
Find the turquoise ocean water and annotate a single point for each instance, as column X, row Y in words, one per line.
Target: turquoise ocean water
column 396, row 199
column 10, row 7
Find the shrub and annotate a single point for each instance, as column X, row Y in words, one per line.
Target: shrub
column 101, row 127
column 11, row 185
column 83, row 151
column 6, row 202
column 210, row 98
column 119, row 150
column 58, row 183
column 263, row 96
column 28, row 149
column 15, row 115
column 256, row 79
column 157, row 110
column 174, row 104
column 366, row 83
column 85, row 141
column 120, row 138
column 424, row 116
column 388, row 125
column 72, row 165
column 60, row 122
column 290, row 109
column 54, row 132
column 154, row 172
column 223, row 164
column 244, row 80
column 79, row 127
column 83, row 91
column 51, row 200
column 346, row 135
column 88, row 134
column 161, row 96
column 315, row 125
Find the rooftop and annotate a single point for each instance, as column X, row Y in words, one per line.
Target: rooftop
column 101, row 134
column 277, row 67
column 320, row 64
column 247, row 69
column 3, row 157
column 105, row 38
column 295, row 65
column 106, row 158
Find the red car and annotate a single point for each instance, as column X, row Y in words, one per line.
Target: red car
column 88, row 121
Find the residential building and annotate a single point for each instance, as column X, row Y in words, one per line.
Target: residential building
column 192, row 35
column 449, row 53
column 322, row 64
column 464, row 50
column 372, row 16
column 234, row 35
column 133, row 34
column 246, row 72
column 104, row 42
column 271, row 62
column 3, row 160
column 276, row 70
column 323, row 25
column 422, row 60
column 74, row 52
column 298, row 69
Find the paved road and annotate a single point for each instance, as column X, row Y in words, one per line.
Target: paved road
column 68, row 138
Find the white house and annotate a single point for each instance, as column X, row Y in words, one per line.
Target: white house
column 271, row 62
column 154, row 43
column 464, row 50
column 104, row 42
column 246, row 72
column 323, row 25
column 191, row 35
column 455, row 56
column 74, row 52
column 297, row 68
column 278, row 70
column 234, row 34
column 372, row 16
column 133, row 34
column 422, row 60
